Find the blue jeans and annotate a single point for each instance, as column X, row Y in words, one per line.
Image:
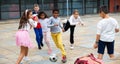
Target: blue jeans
column 39, row 36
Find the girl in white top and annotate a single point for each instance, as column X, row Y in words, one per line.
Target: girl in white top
column 22, row 36
column 43, row 19
column 71, row 23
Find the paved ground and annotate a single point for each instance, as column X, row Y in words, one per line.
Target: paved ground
column 84, row 39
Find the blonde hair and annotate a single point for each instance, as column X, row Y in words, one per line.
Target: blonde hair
column 75, row 11
column 36, row 5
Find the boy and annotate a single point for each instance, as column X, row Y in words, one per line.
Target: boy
column 106, row 29
column 36, row 9
column 38, row 32
column 55, row 27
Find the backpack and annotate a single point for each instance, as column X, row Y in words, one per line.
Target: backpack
column 89, row 59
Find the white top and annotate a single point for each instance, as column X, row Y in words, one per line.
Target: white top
column 32, row 22
column 74, row 21
column 106, row 29
column 44, row 24
column 26, row 27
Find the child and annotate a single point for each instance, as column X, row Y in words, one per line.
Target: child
column 38, row 32
column 36, row 9
column 55, row 28
column 22, row 36
column 71, row 23
column 106, row 29
column 44, row 22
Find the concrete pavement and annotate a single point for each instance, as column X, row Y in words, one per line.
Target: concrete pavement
column 84, row 39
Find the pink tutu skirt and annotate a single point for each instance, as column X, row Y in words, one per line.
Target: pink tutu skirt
column 23, row 39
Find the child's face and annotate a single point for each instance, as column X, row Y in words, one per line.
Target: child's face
column 42, row 16
column 102, row 14
column 30, row 15
column 55, row 14
column 76, row 14
column 36, row 9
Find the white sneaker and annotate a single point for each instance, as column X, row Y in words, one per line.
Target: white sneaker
column 71, row 47
column 26, row 59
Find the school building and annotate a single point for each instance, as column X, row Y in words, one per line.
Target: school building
column 11, row 9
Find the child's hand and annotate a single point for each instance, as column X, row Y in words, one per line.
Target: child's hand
column 82, row 24
column 63, row 30
column 95, row 45
column 55, row 24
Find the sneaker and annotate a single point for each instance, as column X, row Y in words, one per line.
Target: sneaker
column 39, row 48
column 21, row 63
column 49, row 52
column 71, row 47
column 64, row 59
column 42, row 44
column 26, row 59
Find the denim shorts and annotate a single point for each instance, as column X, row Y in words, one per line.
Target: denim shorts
column 109, row 45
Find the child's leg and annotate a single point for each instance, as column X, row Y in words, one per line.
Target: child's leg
column 60, row 44
column 72, row 34
column 66, row 26
column 45, row 35
column 41, row 37
column 37, row 37
column 101, row 48
column 22, row 54
column 26, row 54
column 26, row 51
column 61, row 47
column 54, row 37
column 100, row 56
column 110, row 49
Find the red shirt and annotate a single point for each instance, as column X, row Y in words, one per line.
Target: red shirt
column 38, row 25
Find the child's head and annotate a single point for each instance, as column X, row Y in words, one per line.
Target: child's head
column 27, row 14
column 35, row 17
column 76, row 13
column 42, row 15
column 36, row 7
column 24, row 19
column 55, row 13
column 103, row 11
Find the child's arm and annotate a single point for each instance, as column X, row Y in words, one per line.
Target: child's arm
column 80, row 21
column 60, row 24
column 33, row 23
column 117, row 27
column 50, row 23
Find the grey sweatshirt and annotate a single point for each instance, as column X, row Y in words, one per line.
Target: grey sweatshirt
column 52, row 22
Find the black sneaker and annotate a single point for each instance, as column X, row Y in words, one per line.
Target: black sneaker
column 42, row 44
column 39, row 48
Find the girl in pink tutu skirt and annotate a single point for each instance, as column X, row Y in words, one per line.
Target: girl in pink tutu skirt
column 22, row 36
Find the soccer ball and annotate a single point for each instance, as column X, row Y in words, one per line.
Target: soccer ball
column 53, row 58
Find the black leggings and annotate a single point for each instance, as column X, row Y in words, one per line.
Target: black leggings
column 72, row 27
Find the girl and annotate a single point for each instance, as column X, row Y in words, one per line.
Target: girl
column 44, row 22
column 22, row 36
column 73, row 21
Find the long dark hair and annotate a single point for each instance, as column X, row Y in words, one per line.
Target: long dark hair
column 39, row 14
column 24, row 19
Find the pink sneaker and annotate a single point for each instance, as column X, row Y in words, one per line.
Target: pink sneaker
column 49, row 52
